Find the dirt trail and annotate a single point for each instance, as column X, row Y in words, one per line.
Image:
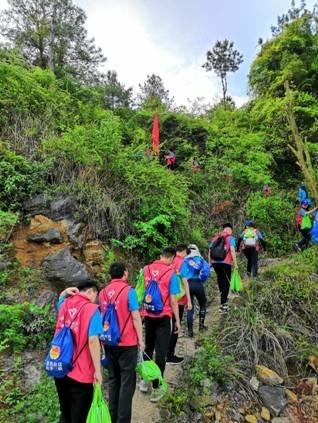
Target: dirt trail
column 143, row 410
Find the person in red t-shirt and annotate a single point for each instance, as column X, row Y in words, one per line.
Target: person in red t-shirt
column 178, row 265
column 122, row 357
column 75, row 390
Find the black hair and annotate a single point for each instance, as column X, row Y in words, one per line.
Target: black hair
column 117, row 270
column 181, row 247
column 227, row 225
column 86, row 284
column 169, row 252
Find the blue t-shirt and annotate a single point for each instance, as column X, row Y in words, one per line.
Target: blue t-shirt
column 132, row 300
column 95, row 325
column 192, row 272
column 184, row 270
column 302, row 212
column 174, row 287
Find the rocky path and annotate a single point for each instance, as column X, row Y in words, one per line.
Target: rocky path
column 143, row 410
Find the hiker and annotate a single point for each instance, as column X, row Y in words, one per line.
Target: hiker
column 180, row 268
column 196, row 287
column 160, row 276
column 267, row 190
column 250, row 241
column 304, row 225
column 122, row 357
column 222, row 255
column 303, row 195
column 170, row 159
column 76, row 307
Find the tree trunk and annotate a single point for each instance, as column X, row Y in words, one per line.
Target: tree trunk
column 300, row 149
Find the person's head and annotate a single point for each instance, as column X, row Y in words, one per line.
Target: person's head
column 249, row 223
column 167, row 255
column 89, row 288
column 182, row 250
column 305, row 204
column 228, row 228
column 302, row 187
column 118, row 271
column 193, row 250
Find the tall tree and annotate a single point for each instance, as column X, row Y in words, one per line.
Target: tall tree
column 51, row 34
column 153, row 93
column 115, row 93
column 222, row 59
column 295, row 12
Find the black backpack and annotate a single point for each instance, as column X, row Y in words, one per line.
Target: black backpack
column 218, row 251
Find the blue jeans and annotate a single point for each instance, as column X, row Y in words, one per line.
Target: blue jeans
column 196, row 290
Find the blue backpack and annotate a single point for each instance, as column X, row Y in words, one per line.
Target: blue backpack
column 152, row 301
column 204, row 271
column 201, row 269
column 59, row 360
column 111, row 334
column 314, row 231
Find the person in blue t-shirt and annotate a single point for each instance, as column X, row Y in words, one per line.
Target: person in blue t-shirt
column 191, row 272
column 305, row 231
column 303, row 195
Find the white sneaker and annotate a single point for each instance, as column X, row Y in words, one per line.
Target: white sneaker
column 143, row 386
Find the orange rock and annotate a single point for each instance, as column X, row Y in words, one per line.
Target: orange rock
column 313, row 362
column 268, row 376
column 292, row 397
column 93, row 254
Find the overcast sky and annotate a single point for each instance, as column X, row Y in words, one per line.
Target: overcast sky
column 170, row 38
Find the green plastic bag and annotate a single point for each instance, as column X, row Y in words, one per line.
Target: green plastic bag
column 236, row 283
column 306, row 222
column 140, row 286
column 149, row 371
column 182, row 291
column 98, row 412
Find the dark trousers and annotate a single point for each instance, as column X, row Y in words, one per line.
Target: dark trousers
column 122, row 381
column 157, row 337
column 174, row 336
column 306, row 238
column 223, row 272
column 252, row 261
column 75, row 399
column 197, row 291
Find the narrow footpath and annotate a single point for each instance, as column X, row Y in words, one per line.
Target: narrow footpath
column 143, row 410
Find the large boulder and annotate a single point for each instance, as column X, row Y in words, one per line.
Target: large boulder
column 52, row 235
column 39, row 204
column 59, row 208
column 62, row 268
column 62, row 208
column 274, row 398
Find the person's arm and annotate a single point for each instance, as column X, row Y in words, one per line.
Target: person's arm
column 175, row 310
column 233, row 254
column 94, row 348
column 138, row 327
column 187, row 291
column 311, row 211
column 68, row 292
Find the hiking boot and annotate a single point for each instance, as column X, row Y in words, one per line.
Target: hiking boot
column 157, row 394
column 202, row 328
column 297, row 248
column 224, row 309
column 190, row 333
column 143, row 386
column 173, row 359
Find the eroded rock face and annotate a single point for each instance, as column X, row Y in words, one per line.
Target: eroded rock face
column 63, row 269
column 274, row 398
column 31, row 254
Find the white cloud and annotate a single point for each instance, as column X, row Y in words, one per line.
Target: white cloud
column 134, row 53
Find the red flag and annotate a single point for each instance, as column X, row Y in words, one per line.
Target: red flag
column 155, row 134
